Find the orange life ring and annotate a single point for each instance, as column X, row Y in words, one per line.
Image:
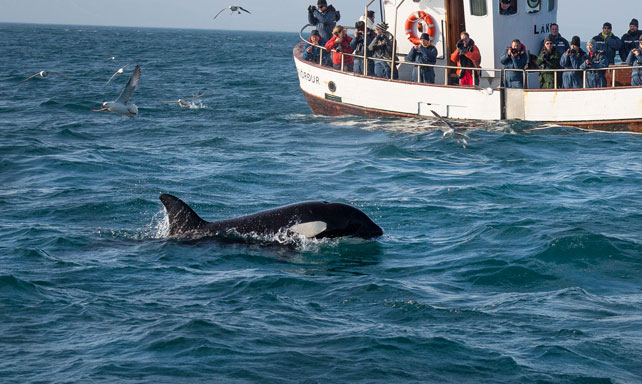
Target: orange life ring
column 410, row 25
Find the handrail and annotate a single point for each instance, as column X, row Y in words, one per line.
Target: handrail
column 473, row 69
column 365, row 38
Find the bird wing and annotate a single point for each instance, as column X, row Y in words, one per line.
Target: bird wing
column 115, row 73
column 129, row 89
column 243, row 9
column 30, row 77
column 219, row 12
column 194, row 97
column 169, row 101
column 59, row 74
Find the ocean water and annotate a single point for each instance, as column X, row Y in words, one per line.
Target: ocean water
column 517, row 259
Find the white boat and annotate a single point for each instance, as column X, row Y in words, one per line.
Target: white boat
column 328, row 91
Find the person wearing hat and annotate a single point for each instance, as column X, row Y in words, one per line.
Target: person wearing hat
column 466, row 55
column 573, row 58
column 311, row 50
column 362, row 38
column 381, row 47
column 560, row 43
column 630, row 39
column 594, row 60
column 506, row 7
column 515, row 57
column 635, row 60
column 423, row 53
column 369, row 20
column 549, row 58
column 608, row 42
column 325, row 18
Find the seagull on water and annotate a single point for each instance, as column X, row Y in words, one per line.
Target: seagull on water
column 452, row 132
column 121, row 105
column 44, row 74
column 233, row 8
column 118, row 72
column 182, row 102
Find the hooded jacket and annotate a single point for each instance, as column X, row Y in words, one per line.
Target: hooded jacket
column 636, row 75
column 548, row 60
column 629, row 41
column 608, row 44
column 514, row 79
column 345, row 48
column 560, row 43
column 423, row 55
column 470, row 58
column 314, row 54
column 595, row 79
column 574, row 61
column 324, row 22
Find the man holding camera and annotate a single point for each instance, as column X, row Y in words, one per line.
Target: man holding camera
column 325, row 18
column 515, row 57
column 381, row 47
column 466, row 56
column 595, row 60
column 635, row 60
column 549, row 58
column 423, row 53
column 358, row 44
column 630, row 39
column 608, row 43
column 573, row 58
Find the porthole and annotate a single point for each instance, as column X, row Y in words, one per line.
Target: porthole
column 332, row 86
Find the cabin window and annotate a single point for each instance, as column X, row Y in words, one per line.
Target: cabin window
column 551, row 5
column 507, row 7
column 478, row 7
column 533, row 6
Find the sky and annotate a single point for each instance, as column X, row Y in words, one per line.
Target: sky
column 586, row 16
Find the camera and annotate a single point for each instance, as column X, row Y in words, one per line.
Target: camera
column 572, row 51
column 312, row 8
column 515, row 51
column 338, row 48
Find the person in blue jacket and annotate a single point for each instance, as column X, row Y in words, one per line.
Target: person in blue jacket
column 423, row 53
column 325, row 18
column 515, row 57
column 311, row 50
column 635, row 59
column 358, row 44
column 608, row 43
column 560, row 43
column 630, row 39
column 595, row 60
column 573, row 58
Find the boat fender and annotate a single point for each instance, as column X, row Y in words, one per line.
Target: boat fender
column 413, row 19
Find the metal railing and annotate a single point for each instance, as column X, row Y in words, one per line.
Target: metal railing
column 393, row 61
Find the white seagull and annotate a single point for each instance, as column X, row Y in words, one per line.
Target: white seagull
column 121, row 105
column 182, row 102
column 44, row 74
column 233, row 8
column 453, row 132
column 118, row 72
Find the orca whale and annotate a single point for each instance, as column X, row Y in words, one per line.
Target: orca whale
column 313, row 219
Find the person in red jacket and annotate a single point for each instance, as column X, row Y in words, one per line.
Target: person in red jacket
column 340, row 43
column 466, row 55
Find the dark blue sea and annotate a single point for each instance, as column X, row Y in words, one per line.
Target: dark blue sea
column 515, row 260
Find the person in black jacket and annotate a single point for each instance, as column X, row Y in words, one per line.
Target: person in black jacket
column 324, row 17
column 630, row 39
column 358, row 43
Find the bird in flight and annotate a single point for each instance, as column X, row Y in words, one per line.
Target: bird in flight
column 182, row 102
column 121, row 105
column 118, row 72
column 44, row 74
column 233, row 8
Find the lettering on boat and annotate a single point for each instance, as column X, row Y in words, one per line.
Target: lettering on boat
column 542, row 29
column 309, row 77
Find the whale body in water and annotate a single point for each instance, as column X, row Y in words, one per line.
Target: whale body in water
column 313, row 219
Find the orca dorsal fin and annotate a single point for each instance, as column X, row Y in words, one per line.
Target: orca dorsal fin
column 182, row 218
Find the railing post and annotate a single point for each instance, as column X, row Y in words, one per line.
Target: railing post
column 555, row 79
column 613, row 78
column 365, row 38
column 394, row 43
column 524, row 79
column 583, row 78
column 341, row 61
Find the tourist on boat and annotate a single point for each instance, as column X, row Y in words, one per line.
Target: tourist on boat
column 608, row 42
column 369, row 20
column 466, row 56
column 515, row 57
column 358, row 43
column 381, row 48
column 506, row 7
column 340, row 43
column 549, row 58
column 325, row 18
column 423, row 53
column 630, row 39
column 635, row 60
column 573, row 59
column 311, row 50
column 560, row 43
column 595, row 60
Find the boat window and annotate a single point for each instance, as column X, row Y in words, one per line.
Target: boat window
column 533, row 6
column 478, row 7
column 507, row 7
column 551, row 5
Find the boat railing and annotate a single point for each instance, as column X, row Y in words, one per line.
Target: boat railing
column 392, row 62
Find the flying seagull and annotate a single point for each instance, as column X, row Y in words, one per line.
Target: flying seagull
column 118, row 72
column 182, row 102
column 452, row 131
column 44, row 74
column 121, row 105
column 233, row 8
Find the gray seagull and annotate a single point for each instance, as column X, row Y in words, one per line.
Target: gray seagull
column 182, row 102
column 233, row 8
column 44, row 74
column 121, row 105
column 118, row 72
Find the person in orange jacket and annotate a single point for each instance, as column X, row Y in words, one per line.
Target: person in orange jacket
column 340, row 43
column 466, row 55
